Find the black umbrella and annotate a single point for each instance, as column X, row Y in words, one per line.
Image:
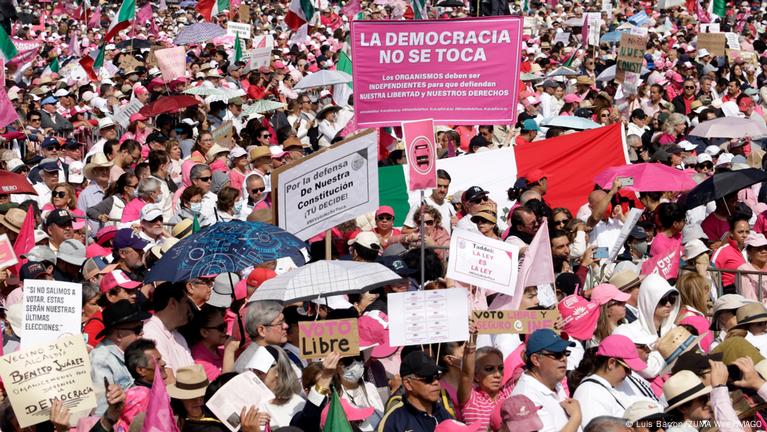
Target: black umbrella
column 450, row 3
column 722, row 184
column 28, row 18
column 134, row 44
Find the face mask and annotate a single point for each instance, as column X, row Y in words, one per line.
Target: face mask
column 238, row 207
column 195, row 207
column 641, row 248
column 354, row 371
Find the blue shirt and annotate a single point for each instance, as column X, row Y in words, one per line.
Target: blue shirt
column 107, row 360
column 405, row 417
column 89, row 197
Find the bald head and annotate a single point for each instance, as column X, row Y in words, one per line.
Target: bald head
column 595, row 197
column 529, row 195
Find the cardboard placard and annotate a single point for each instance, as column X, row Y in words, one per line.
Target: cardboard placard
column 434, row 316
column 34, row 377
column 482, row 261
column 243, row 30
column 51, row 309
column 713, row 42
column 223, row 134
column 746, row 56
column 317, row 339
column 513, row 321
column 244, row 13
column 320, row 191
column 7, row 255
column 630, row 55
column 129, row 63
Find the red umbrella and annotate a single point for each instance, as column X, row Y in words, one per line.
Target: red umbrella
column 168, row 104
column 12, row 183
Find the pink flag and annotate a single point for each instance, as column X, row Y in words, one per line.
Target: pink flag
column 585, row 31
column 537, row 269
column 95, row 21
column 666, row 265
column 144, row 14
column 351, row 8
column 159, row 415
column 171, row 62
column 74, row 46
column 162, row 6
column 26, row 239
column 421, row 153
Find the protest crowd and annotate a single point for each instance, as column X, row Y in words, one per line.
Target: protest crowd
column 206, row 223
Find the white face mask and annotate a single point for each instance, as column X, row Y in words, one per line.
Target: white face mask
column 354, row 371
column 195, row 207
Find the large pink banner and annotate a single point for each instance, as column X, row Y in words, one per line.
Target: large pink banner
column 462, row 71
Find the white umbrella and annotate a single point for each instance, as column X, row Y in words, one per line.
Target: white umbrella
column 224, row 95
column 562, row 71
column 261, row 106
column 325, row 278
column 570, row 122
column 323, row 78
column 609, row 73
column 730, row 127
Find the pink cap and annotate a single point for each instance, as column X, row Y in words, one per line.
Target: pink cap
column 603, row 293
column 621, row 347
column 518, row 413
column 385, row 210
column 96, row 250
column 572, row 98
column 456, row 426
column 580, row 316
column 374, row 331
column 241, row 289
column 352, row 413
column 137, row 117
column 117, row 278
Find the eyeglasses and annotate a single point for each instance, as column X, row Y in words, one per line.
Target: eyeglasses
column 257, row 190
column 205, row 179
column 266, row 136
column 277, row 324
column 490, row 369
column 556, row 356
column 58, row 194
column 221, row 327
column 133, row 186
column 429, row 222
column 669, row 298
column 689, row 87
column 384, row 218
column 604, row 115
column 206, row 282
column 561, row 222
column 479, row 200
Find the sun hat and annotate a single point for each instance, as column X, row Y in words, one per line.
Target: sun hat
column 693, row 249
column 484, row 212
column 727, row 302
column 214, row 151
column 13, row 219
column 72, row 251
column 750, row 313
column 682, row 387
column 644, row 411
column 756, row 239
column 603, row 293
column 223, row 289
column 182, row 229
column 98, row 160
column 41, row 254
column 374, row 332
column 691, row 232
column 579, row 316
column 695, row 361
column 625, row 280
column 121, row 312
column 673, row 344
column 191, row 382
column 735, row 347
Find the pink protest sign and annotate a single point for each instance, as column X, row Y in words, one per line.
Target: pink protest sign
column 171, row 62
column 667, row 265
column 421, row 154
column 462, row 71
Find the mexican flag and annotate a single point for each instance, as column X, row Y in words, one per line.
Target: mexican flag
column 419, row 9
column 210, row 8
column 237, row 49
column 569, row 61
column 55, row 65
column 122, row 19
column 336, row 420
column 299, row 13
column 720, row 7
column 7, row 48
column 92, row 63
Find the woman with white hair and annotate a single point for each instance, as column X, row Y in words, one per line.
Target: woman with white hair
column 148, row 192
column 273, row 367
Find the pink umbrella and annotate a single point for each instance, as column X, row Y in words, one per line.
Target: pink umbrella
column 648, row 177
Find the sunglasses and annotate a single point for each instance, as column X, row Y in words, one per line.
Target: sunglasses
column 428, row 380
column 561, row 222
column 479, row 200
column 556, row 356
column 490, row 369
column 384, row 218
column 689, row 87
column 266, row 136
column 669, row 298
column 58, row 194
column 34, row 119
column 221, row 327
column 429, row 222
column 205, row 179
column 257, row 190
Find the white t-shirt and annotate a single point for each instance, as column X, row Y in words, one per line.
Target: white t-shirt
column 552, row 415
column 445, row 209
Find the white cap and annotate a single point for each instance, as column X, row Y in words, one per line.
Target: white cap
column 261, row 361
column 704, row 157
column 713, row 150
column 724, row 158
column 106, row 122
column 687, row 145
column 110, row 47
column 693, row 248
column 87, row 96
column 237, row 152
column 337, row 302
column 61, row 93
column 703, row 52
column 150, row 212
column 76, row 172
column 367, row 239
column 277, row 151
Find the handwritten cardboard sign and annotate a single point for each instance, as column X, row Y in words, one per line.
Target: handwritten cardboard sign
column 241, row 29
column 51, row 309
column 746, row 56
column 223, row 134
column 513, row 321
column 713, row 42
column 7, row 255
column 244, row 13
column 319, row 338
column 129, row 63
column 630, row 55
column 33, row 378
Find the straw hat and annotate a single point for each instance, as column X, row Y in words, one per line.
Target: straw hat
column 191, row 383
column 13, row 219
column 683, row 387
column 485, row 212
column 625, row 280
column 750, row 313
column 99, row 160
column 675, row 343
column 214, row 151
column 182, row 229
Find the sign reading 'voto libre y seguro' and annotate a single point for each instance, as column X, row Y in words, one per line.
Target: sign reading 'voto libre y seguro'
column 327, row 188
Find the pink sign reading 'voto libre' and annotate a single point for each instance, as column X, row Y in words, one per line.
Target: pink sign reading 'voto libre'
column 462, row 71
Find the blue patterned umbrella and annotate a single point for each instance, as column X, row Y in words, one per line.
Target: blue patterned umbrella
column 226, row 247
column 198, row 33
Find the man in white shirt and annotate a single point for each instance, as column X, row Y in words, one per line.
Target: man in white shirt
column 606, row 227
column 436, row 200
column 49, row 172
column 545, row 368
column 234, row 113
column 548, row 103
column 473, row 199
column 637, row 123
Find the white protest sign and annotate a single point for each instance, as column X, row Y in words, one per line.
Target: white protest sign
column 318, row 192
column 263, row 41
column 631, row 220
column 732, row 40
column 241, row 29
column 242, row 391
column 7, row 255
column 607, row 6
column 709, row 28
column 563, row 37
column 123, row 113
column 258, row 58
column 668, row 4
column 530, row 26
column 34, row 378
column 594, row 20
column 479, row 260
column 433, row 316
column 51, row 309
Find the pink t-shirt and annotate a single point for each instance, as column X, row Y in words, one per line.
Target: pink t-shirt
column 714, row 227
column 132, row 210
column 211, row 362
column 662, row 244
column 480, row 406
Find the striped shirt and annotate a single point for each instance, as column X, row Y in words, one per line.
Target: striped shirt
column 480, row 406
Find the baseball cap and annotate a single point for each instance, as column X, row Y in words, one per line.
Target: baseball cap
column 127, row 238
column 150, row 212
column 451, row 425
column 50, row 100
column 72, row 251
column 117, row 278
column 704, row 157
column 530, row 125
column 638, row 233
column 622, row 348
column 41, row 254
column 59, row 217
column 374, row 332
column 106, row 122
column 157, row 137
column 223, row 288
column 579, row 315
column 546, row 339
column 644, row 411
column 686, row 145
column 692, row 249
column 366, row 239
column 419, row 364
column 385, row 210
column 32, row 270
column 639, row 113
column 517, row 413
column 473, row 193
column 535, row 175
column 603, row 293
column 713, row 150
